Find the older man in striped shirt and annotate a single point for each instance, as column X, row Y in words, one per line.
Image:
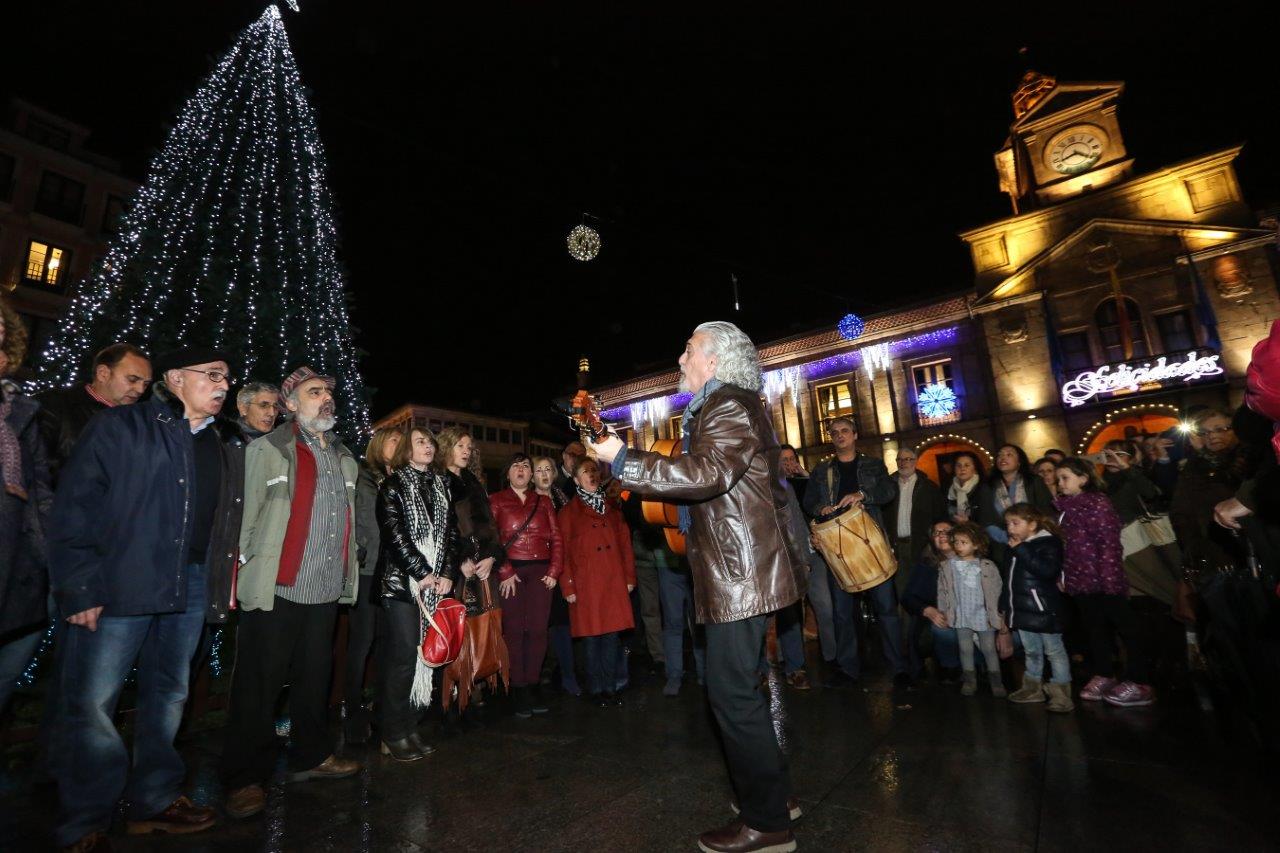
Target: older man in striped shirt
column 298, row 563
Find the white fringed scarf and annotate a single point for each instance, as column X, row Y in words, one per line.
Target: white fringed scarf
column 427, row 530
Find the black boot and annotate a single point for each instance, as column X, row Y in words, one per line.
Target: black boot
column 401, row 750
column 452, row 722
column 537, row 704
column 520, row 702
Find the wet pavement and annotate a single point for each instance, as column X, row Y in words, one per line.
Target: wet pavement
column 944, row 773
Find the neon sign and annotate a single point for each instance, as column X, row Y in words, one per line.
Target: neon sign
column 1124, row 378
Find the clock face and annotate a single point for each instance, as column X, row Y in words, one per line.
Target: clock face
column 1076, row 150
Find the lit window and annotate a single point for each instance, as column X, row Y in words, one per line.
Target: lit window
column 833, row 400
column 673, row 425
column 936, row 398
column 46, row 264
column 1113, row 333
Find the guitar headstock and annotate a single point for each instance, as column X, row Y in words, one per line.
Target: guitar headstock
column 584, row 413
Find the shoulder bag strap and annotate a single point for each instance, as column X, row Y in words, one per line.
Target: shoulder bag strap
column 537, row 498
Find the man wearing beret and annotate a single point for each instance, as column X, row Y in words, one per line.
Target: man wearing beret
column 298, row 563
column 142, row 547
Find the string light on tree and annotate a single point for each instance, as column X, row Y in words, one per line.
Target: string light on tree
column 936, row 401
column 584, row 243
column 232, row 239
column 851, row 326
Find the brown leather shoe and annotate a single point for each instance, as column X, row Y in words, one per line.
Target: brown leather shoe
column 246, row 802
column 332, row 767
column 182, row 816
column 94, row 842
column 737, row 837
column 793, row 809
column 799, row 680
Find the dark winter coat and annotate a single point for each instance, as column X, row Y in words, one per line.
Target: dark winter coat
column 922, row 585
column 877, row 487
column 368, row 536
column 1132, row 493
column 1032, row 601
column 24, row 569
column 1093, row 559
column 1206, row 480
column 64, row 413
column 122, row 514
column 477, row 539
column 401, row 559
column 928, row 506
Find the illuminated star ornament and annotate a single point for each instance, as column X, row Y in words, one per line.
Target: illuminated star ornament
column 584, row 243
column 232, row 241
column 936, row 401
column 851, row 326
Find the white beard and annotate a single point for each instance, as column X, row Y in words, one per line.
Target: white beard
column 318, row 425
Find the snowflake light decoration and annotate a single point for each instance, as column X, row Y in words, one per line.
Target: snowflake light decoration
column 937, row 401
column 850, row 326
column 584, row 243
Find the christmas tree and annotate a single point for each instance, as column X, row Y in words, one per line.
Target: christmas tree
column 232, row 239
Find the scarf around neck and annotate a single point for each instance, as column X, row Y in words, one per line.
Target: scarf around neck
column 959, row 494
column 595, row 499
column 686, row 426
column 10, row 447
column 1007, row 495
column 427, row 506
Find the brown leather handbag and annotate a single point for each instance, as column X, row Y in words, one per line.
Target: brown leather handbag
column 483, row 657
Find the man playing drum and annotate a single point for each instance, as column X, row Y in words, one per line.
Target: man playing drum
column 852, row 479
column 745, row 561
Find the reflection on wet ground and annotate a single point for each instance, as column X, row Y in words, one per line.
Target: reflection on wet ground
column 930, row 771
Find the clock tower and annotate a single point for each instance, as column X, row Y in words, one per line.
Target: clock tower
column 1064, row 141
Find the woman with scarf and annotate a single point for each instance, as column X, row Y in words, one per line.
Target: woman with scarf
column 25, row 500
column 1012, row 481
column 479, row 551
column 526, row 524
column 545, row 473
column 598, row 577
column 419, row 542
column 960, row 496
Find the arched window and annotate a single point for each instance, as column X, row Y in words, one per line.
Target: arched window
column 1113, row 329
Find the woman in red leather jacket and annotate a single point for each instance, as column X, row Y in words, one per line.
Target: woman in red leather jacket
column 527, row 529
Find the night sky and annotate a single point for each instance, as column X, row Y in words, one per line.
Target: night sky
column 826, row 162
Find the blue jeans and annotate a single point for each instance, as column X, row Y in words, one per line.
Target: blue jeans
column 1039, row 646
column 675, row 596
column 946, row 646
column 820, row 601
column 87, row 756
column 884, row 598
column 603, row 652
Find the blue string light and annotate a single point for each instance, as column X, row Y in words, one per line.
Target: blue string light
column 851, row 326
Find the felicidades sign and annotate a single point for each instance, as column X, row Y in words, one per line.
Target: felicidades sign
column 1124, row 378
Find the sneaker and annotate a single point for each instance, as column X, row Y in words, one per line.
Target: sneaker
column 1129, row 694
column 672, row 687
column 798, row 680
column 1097, row 686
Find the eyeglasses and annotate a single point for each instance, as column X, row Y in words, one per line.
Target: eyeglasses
column 215, row 376
column 1216, row 431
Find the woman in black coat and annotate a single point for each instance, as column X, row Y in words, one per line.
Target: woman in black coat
column 1011, row 481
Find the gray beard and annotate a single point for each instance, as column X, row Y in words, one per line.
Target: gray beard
column 318, row 425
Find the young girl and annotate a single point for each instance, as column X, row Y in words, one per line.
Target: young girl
column 1093, row 574
column 969, row 598
column 1034, row 605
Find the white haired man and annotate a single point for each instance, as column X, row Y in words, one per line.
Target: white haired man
column 744, row 558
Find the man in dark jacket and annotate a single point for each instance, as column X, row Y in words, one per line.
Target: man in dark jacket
column 744, row 558
column 121, row 374
column 142, row 544
column 849, row 478
column 910, row 515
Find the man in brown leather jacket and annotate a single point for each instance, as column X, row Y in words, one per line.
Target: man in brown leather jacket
column 745, row 563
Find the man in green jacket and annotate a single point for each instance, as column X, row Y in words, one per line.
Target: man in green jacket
column 298, row 563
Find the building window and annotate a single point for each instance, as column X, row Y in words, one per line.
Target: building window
column 491, row 433
column 1176, row 332
column 477, row 432
column 1074, row 349
column 833, row 400
column 1113, row 334
column 46, row 264
column 504, row 436
column 517, row 437
column 673, row 425
column 436, row 426
column 8, row 166
column 113, row 214
column 936, row 398
column 61, row 198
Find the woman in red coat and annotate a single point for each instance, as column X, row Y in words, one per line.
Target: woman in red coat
column 599, row 574
column 526, row 523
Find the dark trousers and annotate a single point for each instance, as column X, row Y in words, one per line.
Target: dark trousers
column 362, row 626
column 603, row 653
column 290, row 644
column 1105, row 616
column 398, row 638
column 884, row 598
column 757, row 767
column 87, row 756
column 524, row 622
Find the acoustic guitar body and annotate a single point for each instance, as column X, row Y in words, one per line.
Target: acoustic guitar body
column 665, row 515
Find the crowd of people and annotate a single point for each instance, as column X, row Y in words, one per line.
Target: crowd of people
column 137, row 514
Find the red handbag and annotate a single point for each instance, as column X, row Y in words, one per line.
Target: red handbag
column 446, row 627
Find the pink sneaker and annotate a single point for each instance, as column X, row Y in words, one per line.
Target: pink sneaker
column 1130, row 694
column 1097, row 686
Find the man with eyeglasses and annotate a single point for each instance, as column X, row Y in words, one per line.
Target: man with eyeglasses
column 121, row 375
column 142, row 544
